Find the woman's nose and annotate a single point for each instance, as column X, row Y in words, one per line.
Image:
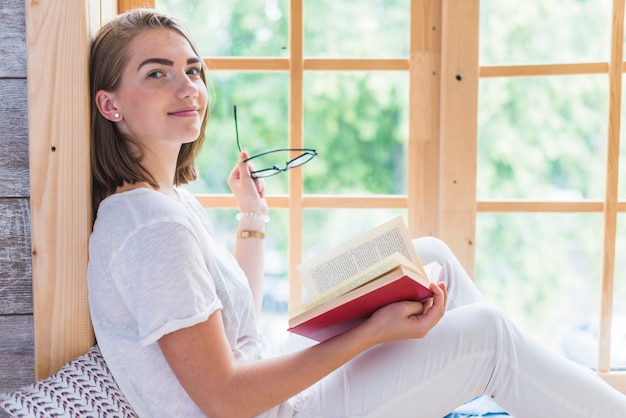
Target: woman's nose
column 187, row 88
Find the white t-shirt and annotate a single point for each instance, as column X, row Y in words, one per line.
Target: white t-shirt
column 155, row 267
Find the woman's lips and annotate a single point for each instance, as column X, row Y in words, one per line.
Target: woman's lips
column 191, row 111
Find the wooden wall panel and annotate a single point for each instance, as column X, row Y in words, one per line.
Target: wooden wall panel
column 13, row 137
column 15, row 275
column 16, row 351
column 57, row 37
column 12, row 39
column 16, row 304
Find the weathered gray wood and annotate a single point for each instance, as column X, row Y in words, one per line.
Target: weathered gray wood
column 15, row 257
column 14, row 176
column 16, row 321
column 13, row 39
column 17, row 357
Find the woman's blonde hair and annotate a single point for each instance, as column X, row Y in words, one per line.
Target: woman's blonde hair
column 114, row 157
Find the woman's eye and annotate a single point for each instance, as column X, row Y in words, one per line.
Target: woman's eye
column 155, row 74
column 194, row 71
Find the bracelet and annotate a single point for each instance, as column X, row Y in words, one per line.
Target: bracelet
column 260, row 216
column 250, row 234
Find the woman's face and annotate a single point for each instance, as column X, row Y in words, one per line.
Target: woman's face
column 162, row 99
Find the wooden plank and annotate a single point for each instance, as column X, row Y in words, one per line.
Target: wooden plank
column 309, row 64
column 16, row 352
column 354, row 64
column 611, row 194
column 12, row 34
column 459, row 98
column 16, row 296
column 537, row 206
column 296, row 118
column 355, row 201
column 57, row 37
column 543, row 69
column 14, row 177
column 124, row 5
column 246, row 64
column 225, row 201
column 424, row 118
column 16, row 321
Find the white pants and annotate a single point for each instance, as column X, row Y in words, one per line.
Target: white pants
column 474, row 350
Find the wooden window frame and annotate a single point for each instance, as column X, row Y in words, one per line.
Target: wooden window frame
column 441, row 199
column 423, row 68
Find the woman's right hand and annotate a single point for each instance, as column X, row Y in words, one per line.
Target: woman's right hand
column 248, row 191
column 407, row 319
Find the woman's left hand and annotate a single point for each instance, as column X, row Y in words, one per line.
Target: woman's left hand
column 249, row 192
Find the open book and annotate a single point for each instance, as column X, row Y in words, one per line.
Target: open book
column 348, row 283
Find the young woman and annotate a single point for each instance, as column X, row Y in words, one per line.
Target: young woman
column 174, row 312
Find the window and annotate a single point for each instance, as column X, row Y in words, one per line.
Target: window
column 496, row 140
column 546, row 228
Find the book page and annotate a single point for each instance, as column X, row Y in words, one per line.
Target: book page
column 361, row 278
column 347, row 260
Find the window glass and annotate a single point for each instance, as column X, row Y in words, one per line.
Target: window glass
column 273, row 320
column 543, row 270
column 357, row 121
column 373, row 28
column 542, row 138
column 235, row 27
column 539, row 31
column 262, row 116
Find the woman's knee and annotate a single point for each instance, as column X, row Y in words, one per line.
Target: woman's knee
column 488, row 314
column 494, row 322
column 432, row 249
column 461, row 289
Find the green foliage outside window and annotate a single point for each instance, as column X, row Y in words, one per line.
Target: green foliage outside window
column 541, row 138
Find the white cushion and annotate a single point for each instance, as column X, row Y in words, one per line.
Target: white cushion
column 84, row 387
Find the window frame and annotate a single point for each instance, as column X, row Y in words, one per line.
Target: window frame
column 441, row 199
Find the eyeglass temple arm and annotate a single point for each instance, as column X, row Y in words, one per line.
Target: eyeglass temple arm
column 236, row 127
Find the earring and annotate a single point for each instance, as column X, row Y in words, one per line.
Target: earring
column 116, row 115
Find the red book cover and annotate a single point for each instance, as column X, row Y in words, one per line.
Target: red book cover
column 351, row 309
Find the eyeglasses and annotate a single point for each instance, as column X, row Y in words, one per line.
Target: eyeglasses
column 307, row 154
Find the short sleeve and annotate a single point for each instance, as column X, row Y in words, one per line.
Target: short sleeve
column 162, row 276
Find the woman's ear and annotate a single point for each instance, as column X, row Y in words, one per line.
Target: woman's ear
column 104, row 102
